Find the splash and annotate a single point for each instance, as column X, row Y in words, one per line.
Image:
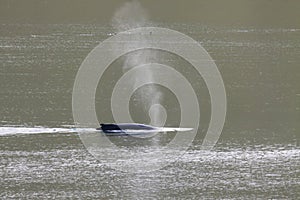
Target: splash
column 21, row 130
column 132, row 15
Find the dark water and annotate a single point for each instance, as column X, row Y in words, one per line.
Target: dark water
column 257, row 155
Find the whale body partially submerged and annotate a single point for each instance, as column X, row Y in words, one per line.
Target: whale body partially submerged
column 125, row 126
column 135, row 128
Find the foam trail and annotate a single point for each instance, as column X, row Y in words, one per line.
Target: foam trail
column 16, row 130
column 13, row 130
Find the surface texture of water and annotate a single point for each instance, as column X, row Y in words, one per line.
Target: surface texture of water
column 256, row 156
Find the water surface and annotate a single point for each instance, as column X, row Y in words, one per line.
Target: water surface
column 256, row 156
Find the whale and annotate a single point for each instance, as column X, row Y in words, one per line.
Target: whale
column 135, row 129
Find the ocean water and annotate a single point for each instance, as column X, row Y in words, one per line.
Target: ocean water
column 257, row 155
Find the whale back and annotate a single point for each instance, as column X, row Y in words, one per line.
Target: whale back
column 125, row 126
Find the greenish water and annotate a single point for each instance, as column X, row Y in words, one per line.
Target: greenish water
column 256, row 156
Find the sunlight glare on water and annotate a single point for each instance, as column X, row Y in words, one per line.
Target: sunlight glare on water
column 257, row 155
